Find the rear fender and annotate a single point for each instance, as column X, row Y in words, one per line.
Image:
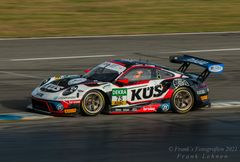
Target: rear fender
column 193, row 86
column 180, row 82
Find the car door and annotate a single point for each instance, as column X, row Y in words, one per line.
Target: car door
column 136, row 90
column 139, row 88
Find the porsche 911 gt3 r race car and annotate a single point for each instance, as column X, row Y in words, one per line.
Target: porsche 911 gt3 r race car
column 127, row 86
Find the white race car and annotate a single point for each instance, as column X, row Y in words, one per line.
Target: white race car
column 127, row 86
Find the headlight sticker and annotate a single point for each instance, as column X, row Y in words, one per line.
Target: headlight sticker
column 70, row 90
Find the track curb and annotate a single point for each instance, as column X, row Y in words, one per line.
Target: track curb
column 23, row 116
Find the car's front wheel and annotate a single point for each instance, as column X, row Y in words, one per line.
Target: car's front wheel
column 182, row 100
column 92, row 103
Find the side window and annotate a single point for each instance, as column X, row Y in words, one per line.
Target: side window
column 161, row 74
column 138, row 74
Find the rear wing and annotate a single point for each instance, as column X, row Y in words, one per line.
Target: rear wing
column 208, row 65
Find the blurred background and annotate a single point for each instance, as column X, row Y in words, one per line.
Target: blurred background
column 31, row 18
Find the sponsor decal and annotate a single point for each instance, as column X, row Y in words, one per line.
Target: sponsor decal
column 201, row 92
column 57, row 105
column 53, row 87
column 39, row 94
column 76, row 81
column 119, row 92
column 158, row 74
column 66, row 98
column 215, row 68
column 180, row 82
column 149, row 109
column 119, row 96
column 113, row 66
column 106, row 86
column 73, row 102
column 146, row 93
column 165, row 107
column 197, row 61
column 70, row 110
column 122, row 110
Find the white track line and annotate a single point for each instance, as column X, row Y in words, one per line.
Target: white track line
column 119, row 35
column 225, row 104
column 20, row 75
column 96, row 56
column 210, row 50
column 58, row 58
column 204, row 50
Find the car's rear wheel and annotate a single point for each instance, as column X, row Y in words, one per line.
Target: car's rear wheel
column 182, row 100
column 92, row 103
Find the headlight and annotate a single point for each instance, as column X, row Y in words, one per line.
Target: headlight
column 44, row 82
column 70, row 90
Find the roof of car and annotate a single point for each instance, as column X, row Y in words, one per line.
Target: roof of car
column 129, row 62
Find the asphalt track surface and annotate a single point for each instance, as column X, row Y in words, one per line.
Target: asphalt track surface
column 203, row 135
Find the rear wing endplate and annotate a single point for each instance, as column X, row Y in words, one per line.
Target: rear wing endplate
column 208, row 65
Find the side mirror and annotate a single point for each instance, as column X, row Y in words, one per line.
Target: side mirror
column 123, row 81
column 87, row 71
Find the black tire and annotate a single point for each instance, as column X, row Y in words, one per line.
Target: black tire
column 92, row 103
column 182, row 100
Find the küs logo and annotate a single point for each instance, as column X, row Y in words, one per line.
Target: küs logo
column 146, row 93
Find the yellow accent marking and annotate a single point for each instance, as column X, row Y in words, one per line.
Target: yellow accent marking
column 70, row 110
column 119, row 102
column 57, row 77
column 205, row 97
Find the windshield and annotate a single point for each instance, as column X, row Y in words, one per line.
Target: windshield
column 106, row 72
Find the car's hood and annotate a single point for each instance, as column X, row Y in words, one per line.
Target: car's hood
column 65, row 82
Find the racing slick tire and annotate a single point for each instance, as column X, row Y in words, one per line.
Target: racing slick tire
column 182, row 100
column 92, row 103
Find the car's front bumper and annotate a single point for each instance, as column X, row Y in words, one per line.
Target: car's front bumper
column 55, row 107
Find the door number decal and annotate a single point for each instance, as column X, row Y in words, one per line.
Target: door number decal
column 119, row 96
